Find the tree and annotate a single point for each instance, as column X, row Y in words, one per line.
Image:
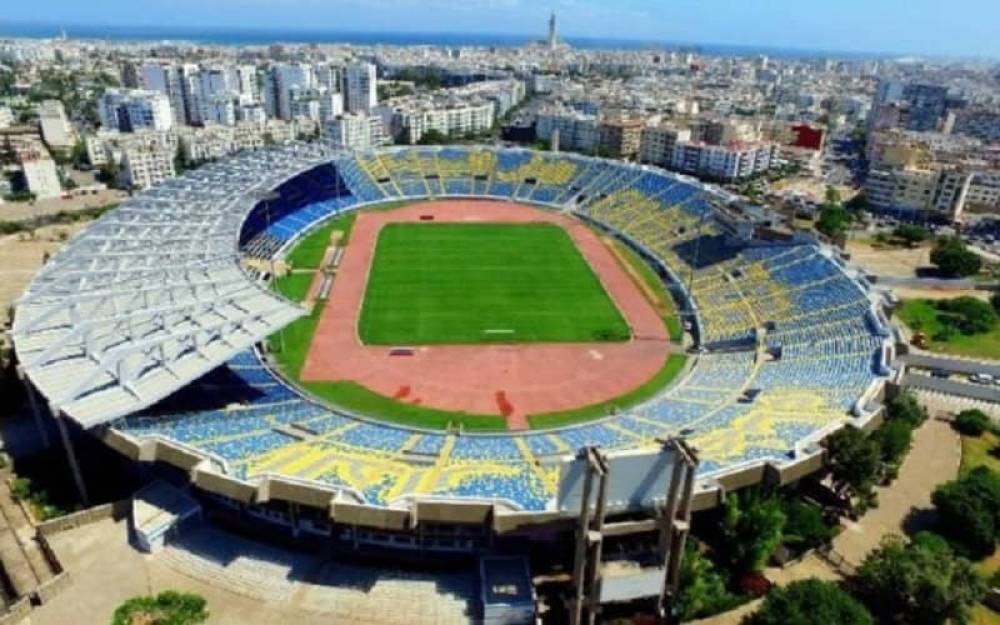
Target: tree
column 433, row 136
column 833, row 220
column 972, row 422
column 167, row 608
column 894, row 439
column 921, row 583
column 702, row 588
column 752, row 525
column 831, row 197
column 970, row 508
column 954, row 259
column 854, row 461
column 912, row 234
column 905, row 406
column 811, row 602
column 995, row 300
column 967, row 315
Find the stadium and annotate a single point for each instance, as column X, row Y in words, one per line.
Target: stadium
column 431, row 381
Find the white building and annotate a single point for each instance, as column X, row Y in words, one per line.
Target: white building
column 450, row 118
column 147, row 159
column 355, row 131
column 576, row 130
column 130, row 110
column 57, row 131
column 6, row 117
column 360, row 87
column 40, row 175
column 284, row 81
column 169, row 80
column 724, row 162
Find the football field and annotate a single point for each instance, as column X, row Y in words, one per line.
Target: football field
column 483, row 283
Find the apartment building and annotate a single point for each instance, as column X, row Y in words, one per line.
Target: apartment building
column 619, row 138
column 449, row 117
column 130, row 110
column 360, row 87
column 571, row 129
column 147, row 158
column 656, row 143
column 355, row 131
column 981, row 123
column 725, row 163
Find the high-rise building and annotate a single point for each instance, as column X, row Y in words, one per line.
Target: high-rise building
column 360, row 87
column 553, row 39
column 283, row 81
column 129, row 110
column 168, row 80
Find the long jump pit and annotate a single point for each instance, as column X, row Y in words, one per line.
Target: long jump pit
column 507, row 380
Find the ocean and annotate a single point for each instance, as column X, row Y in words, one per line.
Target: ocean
column 252, row 37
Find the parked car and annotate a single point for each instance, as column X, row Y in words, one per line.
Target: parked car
column 981, row 378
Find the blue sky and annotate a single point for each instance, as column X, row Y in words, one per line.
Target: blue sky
column 927, row 27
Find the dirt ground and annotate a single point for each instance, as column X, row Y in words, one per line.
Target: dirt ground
column 18, row 211
column 21, row 256
column 889, row 261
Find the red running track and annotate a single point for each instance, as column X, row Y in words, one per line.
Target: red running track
column 508, row 380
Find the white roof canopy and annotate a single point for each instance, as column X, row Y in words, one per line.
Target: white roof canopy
column 152, row 296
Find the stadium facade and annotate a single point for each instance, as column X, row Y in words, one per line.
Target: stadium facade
column 144, row 330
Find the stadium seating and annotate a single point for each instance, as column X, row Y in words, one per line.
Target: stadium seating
column 780, row 319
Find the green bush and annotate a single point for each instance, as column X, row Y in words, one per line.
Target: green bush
column 970, row 508
column 967, row 315
column 805, row 527
column 20, row 488
column 703, row 589
column 972, row 422
column 911, row 233
column 811, row 602
column 167, row 608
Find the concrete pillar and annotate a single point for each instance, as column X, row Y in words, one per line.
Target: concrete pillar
column 71, row 456
column 35, row 412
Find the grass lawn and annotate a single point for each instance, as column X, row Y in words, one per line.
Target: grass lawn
column 977, row 451
column 921, row 315
column 308, row 253
column 670, row 370
column 483, row 283
column 664, row 303
column 358, row 399
column 293, row 286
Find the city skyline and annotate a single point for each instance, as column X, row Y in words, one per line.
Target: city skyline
column 852, row 26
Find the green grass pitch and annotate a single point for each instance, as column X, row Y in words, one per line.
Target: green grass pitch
column 483, row 283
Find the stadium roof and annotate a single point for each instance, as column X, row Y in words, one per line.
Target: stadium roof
column 152, row 295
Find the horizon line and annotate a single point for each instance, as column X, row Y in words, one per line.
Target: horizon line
column 533, row 36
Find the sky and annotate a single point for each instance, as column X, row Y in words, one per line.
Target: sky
column 966, row 28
